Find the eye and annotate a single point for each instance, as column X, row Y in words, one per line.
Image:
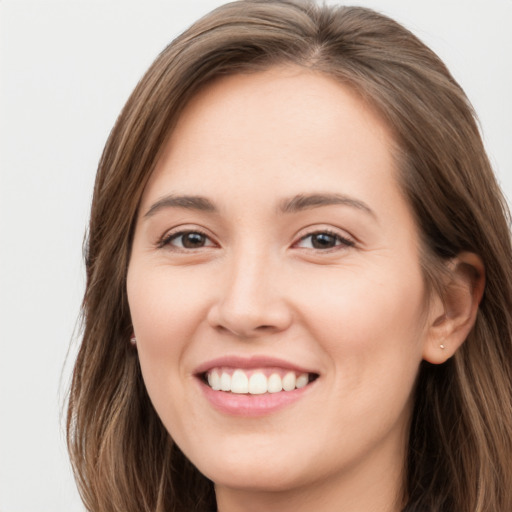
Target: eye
column 322, row 240
column 187, row 240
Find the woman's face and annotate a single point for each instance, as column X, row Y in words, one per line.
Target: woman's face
column 274, row 248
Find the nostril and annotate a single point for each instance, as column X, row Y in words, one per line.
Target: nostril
column 247, row 314
column 246, row 333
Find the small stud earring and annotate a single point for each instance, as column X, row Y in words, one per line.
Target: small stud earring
column 442, row 347
column 133, row 339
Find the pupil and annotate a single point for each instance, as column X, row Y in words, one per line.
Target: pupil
column 193, row 240
column 323, row 241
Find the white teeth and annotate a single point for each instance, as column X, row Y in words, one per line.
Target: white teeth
column 289, row 381
column 257, row 384
column 214, row 380
column 274, row 384
column 238, row 382
column 302, row 380
column 225, row 382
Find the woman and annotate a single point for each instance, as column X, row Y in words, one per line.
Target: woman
column 293, row 224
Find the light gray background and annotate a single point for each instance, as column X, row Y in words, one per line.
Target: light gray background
column 66, row 69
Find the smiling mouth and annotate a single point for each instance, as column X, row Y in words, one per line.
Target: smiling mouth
column 256, row 381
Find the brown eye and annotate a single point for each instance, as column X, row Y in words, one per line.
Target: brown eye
column 193, row 240
column 324, row 240
column 188, row 240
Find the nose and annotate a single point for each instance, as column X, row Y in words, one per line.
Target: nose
column 252, row 299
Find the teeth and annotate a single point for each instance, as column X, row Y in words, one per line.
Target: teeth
column 214, row 380
column 274, row 383
column 225, row 382
column 239, row 382
column 289, row 381
column 257, row 383
column 302, row 380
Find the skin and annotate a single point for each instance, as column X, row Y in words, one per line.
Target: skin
column 355, row 313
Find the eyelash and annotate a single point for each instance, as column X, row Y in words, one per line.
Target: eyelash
column 167, row 239
column 340, row 241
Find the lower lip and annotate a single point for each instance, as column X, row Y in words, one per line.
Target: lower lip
column 246, row 405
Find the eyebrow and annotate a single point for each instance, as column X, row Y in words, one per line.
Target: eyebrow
column 187, row 202
column 308, row 201
column 295, row 204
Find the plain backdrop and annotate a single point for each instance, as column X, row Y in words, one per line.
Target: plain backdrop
column 66, row 69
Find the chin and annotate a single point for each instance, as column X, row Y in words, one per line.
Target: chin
column 256, row 469
column 255, row 477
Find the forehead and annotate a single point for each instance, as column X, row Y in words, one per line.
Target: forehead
column 278, row 124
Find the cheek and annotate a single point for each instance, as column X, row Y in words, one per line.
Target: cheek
column 166, row 311
column 166, row 314
column 364, row 307
column 371, row 326
column 373, row 333
column 164, row 306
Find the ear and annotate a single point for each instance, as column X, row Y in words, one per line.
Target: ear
column 453, row 315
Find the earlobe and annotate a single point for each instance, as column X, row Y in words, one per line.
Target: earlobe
column 454, row 314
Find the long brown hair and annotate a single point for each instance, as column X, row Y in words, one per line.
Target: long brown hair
column 460, row 449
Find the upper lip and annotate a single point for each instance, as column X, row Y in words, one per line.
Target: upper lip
column 252, row 362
